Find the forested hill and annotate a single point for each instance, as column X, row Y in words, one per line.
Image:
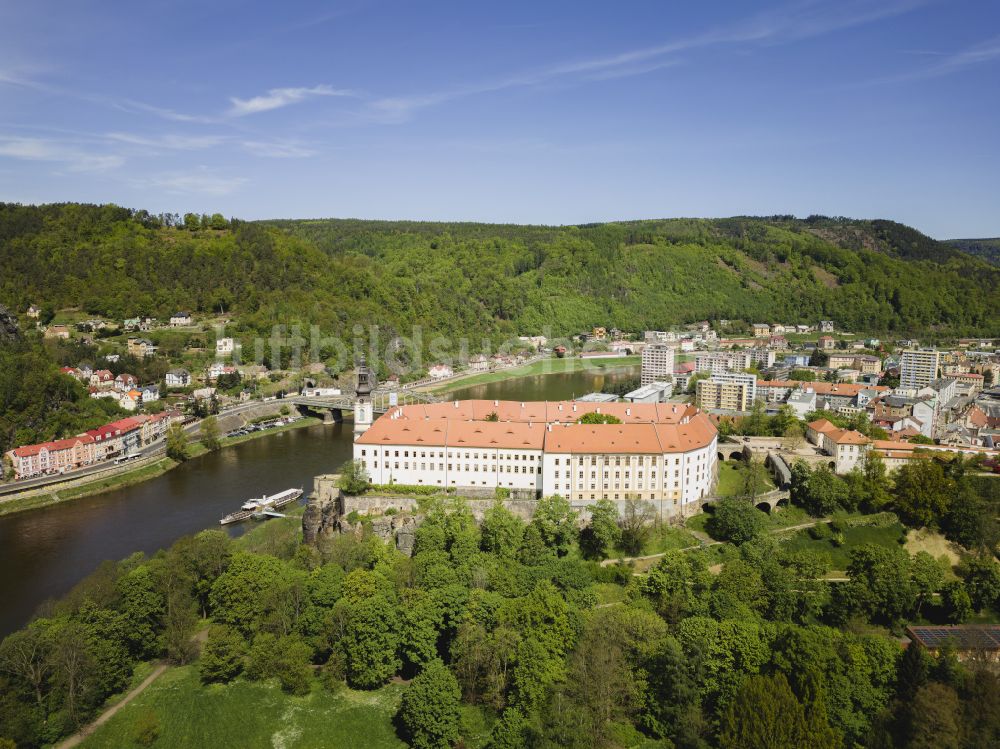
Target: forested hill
column 987, row 249
column 493, row 280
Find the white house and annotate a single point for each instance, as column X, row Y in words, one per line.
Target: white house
column 224, row 346
column 178, row 378
column 846, row 446
column 440, row 371
column 180, row 319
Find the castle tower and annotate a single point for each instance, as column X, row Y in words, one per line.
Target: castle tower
column 363, row 409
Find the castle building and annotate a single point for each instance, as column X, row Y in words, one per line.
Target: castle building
column 663, row 453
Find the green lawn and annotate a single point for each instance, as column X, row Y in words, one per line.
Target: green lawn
column 246, row 714
column 544, row 366
column 731, row 479
column 835, row 552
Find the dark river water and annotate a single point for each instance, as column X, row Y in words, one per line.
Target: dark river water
column 43, row 553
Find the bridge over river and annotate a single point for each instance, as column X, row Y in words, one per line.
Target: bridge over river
column 333, row 406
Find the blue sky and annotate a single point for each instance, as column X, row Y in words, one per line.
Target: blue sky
column 561, row 111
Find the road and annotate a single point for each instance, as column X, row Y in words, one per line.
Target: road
column 152, row 450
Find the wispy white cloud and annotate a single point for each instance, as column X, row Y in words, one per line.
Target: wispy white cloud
column 947, row 64
column 165, row 113
column 72, row 156
column 170, row 141
column 276, row 98
column 796, row 21
column 201, row 181
column 278, row 149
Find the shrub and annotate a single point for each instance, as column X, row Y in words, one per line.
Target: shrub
column 147, row 729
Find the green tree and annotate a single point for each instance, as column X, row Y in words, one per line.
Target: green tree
column 510, row 732
column 765, row 714
column 177, row 443
column 556, row 523
column 936, row 718
column 421, row 618
column 736, row 520
column 754, row 478
column 598, row 418
column 371, row 636
column 222, row 657
column 922, row 493
column 982, row 581
column 429, row 709
column 602, row 534
column 956, row 602
column 502, row 531
column 880, row 586
column 209, row 433
column 354, row 478
column 824, row 492
column 928, row 577
column 636, row 524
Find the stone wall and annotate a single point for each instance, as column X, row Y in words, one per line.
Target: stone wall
column 328, row 511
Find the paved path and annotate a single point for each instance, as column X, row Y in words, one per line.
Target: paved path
column 77, row 738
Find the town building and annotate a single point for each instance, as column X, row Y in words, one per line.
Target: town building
column 762, row 357
column 761, row 330
column 440, row 371
column 57, row 331
column 847, row 447
column 106, row 442
column 180, row 319
column 224, row 346
column 654, row 392
column 826, row 343
column 721, row 362
column 178, row 378
column 826, row 326
column 660, row 453
column 726, row 392
column 657, row 363
column 125, row 382
column 918, row 368
column 479, row 363
column 34, row 312
column 140, row 348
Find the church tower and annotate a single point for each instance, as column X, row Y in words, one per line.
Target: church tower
column 363, row 409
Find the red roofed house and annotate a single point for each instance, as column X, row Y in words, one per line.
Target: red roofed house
column 57, row 456
column 847, row 447
column 102, row 379
column 125, row 382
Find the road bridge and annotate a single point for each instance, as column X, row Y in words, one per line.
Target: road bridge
column 333, row 406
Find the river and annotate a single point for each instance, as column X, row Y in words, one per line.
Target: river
column 44, row 552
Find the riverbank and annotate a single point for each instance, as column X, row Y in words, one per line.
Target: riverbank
column 33, row 499
column 542, row 367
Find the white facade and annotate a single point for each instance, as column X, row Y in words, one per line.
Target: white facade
column 660, row 453
column 224, row 346
column 657, row 363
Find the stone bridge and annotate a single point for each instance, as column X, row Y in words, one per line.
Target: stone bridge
column 332, row 407
column 729, row 450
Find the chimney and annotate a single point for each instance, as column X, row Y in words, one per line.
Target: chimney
column 628, row 411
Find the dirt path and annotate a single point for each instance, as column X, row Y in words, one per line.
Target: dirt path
column 108, row 714
column 77, row 738
column 704, row 540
